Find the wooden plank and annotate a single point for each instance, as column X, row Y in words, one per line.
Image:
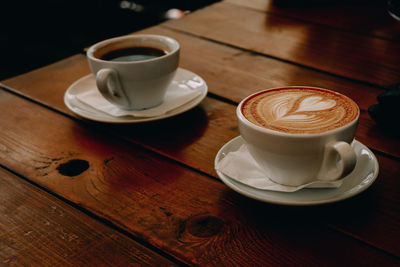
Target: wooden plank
column 37, row 229
column 194, row 218
column 228, row 74
column 354, row 56
column 362, row 17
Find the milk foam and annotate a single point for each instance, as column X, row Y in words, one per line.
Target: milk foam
column 300, row 110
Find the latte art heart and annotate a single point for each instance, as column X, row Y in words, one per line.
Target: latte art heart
column 315, row 103
column 300, row 110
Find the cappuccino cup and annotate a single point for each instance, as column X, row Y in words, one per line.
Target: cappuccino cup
column 134, row 71
column 299, row 135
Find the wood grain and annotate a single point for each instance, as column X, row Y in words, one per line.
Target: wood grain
column 182, row 211
column 229, row 72
column 354, row 56
column 369, row 18
column 156, row 181
column 38, row 229
column 218, row 121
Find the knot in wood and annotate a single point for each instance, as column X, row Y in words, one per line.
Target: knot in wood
column 73, row 167
column 204, row 226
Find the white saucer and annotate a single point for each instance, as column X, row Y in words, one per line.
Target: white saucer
column 88, row 82
column 361, row 178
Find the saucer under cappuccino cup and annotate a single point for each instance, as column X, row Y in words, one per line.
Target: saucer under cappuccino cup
column 134, row 71
column 299, row 134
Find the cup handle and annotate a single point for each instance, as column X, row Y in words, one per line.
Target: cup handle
column 109, row 85
column 339, row 160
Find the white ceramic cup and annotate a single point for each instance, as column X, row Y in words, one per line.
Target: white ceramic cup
column 134, row 84
column 295, row 159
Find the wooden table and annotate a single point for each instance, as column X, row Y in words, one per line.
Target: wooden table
column 76, row 192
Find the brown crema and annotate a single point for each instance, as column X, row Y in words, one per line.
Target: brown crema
column 300, row 110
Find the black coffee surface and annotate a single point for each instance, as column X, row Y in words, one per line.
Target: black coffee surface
column 133, row 54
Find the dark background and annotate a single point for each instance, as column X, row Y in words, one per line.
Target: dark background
column 37, row 33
